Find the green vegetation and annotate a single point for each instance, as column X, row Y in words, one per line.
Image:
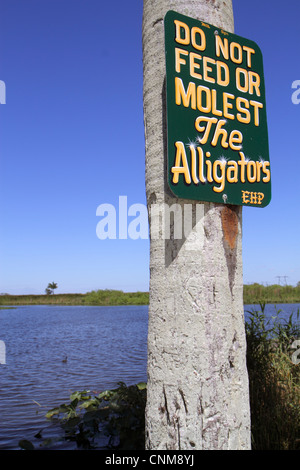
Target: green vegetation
column 273, row 294
column 99, row 297
column 50, row 288
column 58, row 299
column 116, row 297
column 253, row 294
column 115, row 419
column 274, row 380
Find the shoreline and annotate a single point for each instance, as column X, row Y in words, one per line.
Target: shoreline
column 253, row 294
column 103, row 297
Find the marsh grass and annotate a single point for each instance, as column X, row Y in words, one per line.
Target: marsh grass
column 116, row 297
column 253, row 294
column 274, row 381
column 272, row 294
column 56, row 299
column 98, row 297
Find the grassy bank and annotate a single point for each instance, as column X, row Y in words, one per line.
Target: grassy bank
column 275, row 294
column 99, row 297
column 57, row 299
column 253, row 294
column 116, row 297
column 274, row 381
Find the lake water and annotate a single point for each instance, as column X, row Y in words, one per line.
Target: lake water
column 52, row 351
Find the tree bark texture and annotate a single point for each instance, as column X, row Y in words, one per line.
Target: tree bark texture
column 197, row 392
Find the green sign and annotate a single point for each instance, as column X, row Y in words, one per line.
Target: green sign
column 216, row 115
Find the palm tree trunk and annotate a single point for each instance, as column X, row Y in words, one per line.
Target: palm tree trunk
column 197, row 392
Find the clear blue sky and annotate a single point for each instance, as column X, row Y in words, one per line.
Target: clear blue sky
column 72, row 138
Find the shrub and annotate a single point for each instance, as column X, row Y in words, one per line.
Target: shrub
column 274, row 382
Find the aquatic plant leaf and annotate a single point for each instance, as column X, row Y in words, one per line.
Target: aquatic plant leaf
column 141, row 385
column 26, row 445
column 53, row 412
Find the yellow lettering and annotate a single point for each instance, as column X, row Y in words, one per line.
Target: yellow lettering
column 201, row 162
column 209, row 169
column 235, row 140
column 227, row 105
column 178, row 169
column 194, row 65
column 234, row 46
column 178, row 60
column 222, row 47
column 220, row 132
column 217, row 178
column 267, row 172
column 206, row 129
column 202, row 45
column 180, row 26
column 254, row 83
column 256, row 107
column 260, row 197
column 207, row 69
column 245, row 117
column 259, row 165
column 238, row 73
column 232, row 171
column 249, row 51
column 207, row 101
column 193, row 164
column 251, row 176
column 200, row 90
column 215, row 111
column 187, row 98
column 222, row 66
column 242, row 164
column 245, row 195
column 253, row 198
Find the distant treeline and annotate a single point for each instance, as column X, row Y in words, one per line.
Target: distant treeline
column 57, row 299
column 253, row 293
column 99, row 297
